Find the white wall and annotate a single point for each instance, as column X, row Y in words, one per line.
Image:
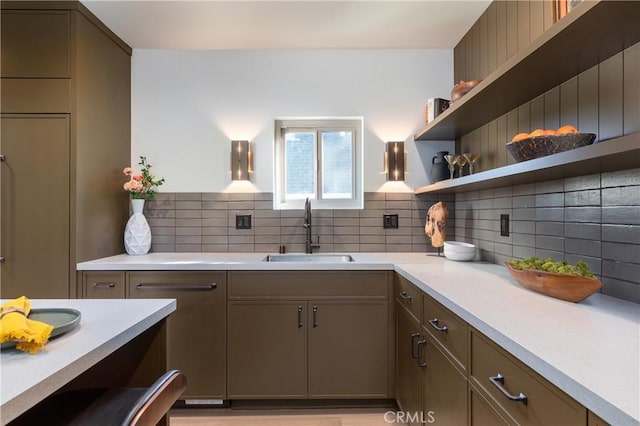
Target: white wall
column 188, row 105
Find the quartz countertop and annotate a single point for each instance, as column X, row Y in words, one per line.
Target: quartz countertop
column 590, row 350
column 105, row 326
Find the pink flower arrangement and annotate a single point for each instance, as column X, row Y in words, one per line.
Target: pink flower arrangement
column 141, row 186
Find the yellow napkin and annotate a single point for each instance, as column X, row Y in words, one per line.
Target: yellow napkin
column 30, row 335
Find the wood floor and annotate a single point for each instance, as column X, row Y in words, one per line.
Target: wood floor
column 289, row 417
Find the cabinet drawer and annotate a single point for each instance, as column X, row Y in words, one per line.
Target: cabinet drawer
column 544, row 404
column 103, row 285
column 293, row 285
column 448, row 329
column 408, row 296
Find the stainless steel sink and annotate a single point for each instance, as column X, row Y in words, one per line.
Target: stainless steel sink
column 313, row 258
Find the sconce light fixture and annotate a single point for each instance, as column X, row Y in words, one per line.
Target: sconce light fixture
column 240, row 160
column 394, row 161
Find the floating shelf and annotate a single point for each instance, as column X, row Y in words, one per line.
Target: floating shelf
column 591, row 33
column 606, row 156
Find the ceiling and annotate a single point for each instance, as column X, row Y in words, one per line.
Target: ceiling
column 287, row 24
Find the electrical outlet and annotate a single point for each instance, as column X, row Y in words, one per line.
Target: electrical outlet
column 504, row 225
column 390, row 221
column 243, row 221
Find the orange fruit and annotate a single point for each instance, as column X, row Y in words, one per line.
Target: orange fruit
column 566, row 129
column 519, row 137
column 537, row 132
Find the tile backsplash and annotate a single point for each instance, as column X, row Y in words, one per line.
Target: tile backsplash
column 595, row 218
column 206, row 222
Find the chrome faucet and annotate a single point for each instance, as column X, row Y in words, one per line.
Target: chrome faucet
column 309, row 246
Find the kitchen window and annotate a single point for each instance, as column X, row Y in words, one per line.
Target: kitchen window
column 319, row 159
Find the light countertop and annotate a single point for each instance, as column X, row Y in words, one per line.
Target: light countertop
column 590, row 350
column 105, row 326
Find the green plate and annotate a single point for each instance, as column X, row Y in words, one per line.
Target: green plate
column 62, row 320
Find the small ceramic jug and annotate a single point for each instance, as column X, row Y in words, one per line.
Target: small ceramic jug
column 439, row 167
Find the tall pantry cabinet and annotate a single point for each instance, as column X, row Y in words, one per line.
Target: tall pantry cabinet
column 65, row 138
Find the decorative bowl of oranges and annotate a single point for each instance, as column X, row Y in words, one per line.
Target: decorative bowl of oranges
column 540, row 143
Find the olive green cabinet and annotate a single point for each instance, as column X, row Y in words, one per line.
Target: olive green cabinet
column 103, row 285
column 312, row 334
column 267, row 349
column 196, row 331
column 66, row 131
column 408, row 365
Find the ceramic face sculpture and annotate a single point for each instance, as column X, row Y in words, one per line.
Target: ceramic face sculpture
column 436, row 219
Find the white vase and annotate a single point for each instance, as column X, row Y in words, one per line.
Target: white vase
column 137, row 234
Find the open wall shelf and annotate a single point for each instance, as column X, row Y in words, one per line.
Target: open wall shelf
column 606, row 156
column 591, row 33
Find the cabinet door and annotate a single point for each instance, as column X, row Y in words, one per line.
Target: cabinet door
column 36, row 44
column 408, row 371
column 482, row 413
column 444, row 388
column 35, row 206
column 348, row 349
column 103, row 285
column 196, row 330
column 267, row 349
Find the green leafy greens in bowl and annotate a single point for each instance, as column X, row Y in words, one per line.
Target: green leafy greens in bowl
column 549, row 265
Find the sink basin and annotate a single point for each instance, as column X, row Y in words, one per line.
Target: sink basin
column 313, row 258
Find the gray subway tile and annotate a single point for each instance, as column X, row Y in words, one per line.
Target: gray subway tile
column 240, row 196
column 215, row 248
column 372, row 239
column 164, row 196
column 161, row 222
column 188, row 214
column 524, row 201
column 163, row 239
column 621, row 289
column 526, row 189
column 181, row 223
column 241, row 239
column 546, row 242
column 550, row 214
column 550, row 186
column 621, row 271
column 240, row 205
column 583, row 214
column 589, row 197
column 215, row 222
column 522, row 252
column 187, row 248
column 621, row 196
column 194, row 230
column 242, row 232
column 241, row 248
column 263, row 196
column 523, row 226
column 621, row 215
column 215, row 205
column 267, row 214
column 398, row 196
column 593, row 263
column 374, row 205
column 505, row 191
column 162, row 248
column 550, row 228
column 503, row 249
column 402, row 230
column 621, row 178
column 503, row 203
column 373, row 248
column 266, row 248
column 621, row 233
column 188, row 196
column 398, row 248
column 267, row 239
column 163, row 230
column 582, row 247
column 215, row 239
column 346, row 213
column 628, row 253
column 346, row 230
column 397, row 205
column 263, row 205
column 215, row 230
column 371, row 230
column 346, row 221
column 345, row 247
column 528, row 240
column 188, row 205
column 374, row 196
column 486, row 194
column 524, row 214
column 581, row 183
column 346, row 239
column 550, row 200
column 188, row 239
column 588, row 231
column 160, row 214
column 267, row 230
column 215, row 196
column 159, row 203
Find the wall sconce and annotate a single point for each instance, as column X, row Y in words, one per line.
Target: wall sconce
column 240, row 160
column 394, row 160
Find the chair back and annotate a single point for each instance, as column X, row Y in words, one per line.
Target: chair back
column 156, row 402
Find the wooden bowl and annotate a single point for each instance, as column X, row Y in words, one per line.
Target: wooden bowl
column 540, row 146
column 461, row 89
column 571, row 288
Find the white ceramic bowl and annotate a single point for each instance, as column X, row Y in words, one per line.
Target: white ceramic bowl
column 459, row 251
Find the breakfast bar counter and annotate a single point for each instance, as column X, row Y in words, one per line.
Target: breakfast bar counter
column 106, row 326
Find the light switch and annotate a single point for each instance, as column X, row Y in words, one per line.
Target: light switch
column 390, row 221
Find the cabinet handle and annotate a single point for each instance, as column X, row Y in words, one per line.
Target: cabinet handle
column 434, row 324
column 498, row 381
column 413, row 345
column 315, row 316
column 196, row 287
column 421, row 363
column 405, row 296
column 103, row 285
column 1, row 259
column 2, row 157
column 299, row 316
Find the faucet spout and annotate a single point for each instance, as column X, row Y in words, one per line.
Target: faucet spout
column 309, row 246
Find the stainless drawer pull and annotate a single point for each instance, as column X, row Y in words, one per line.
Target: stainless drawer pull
column 434, row 324
column 299, row 316
column 404, row 295
column 421, row 363
column 498, row 381
column 103, row 285
column 413, row 345
column 203, row 287
column 315, row 316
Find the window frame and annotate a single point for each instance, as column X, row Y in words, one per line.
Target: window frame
column 319, row 125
